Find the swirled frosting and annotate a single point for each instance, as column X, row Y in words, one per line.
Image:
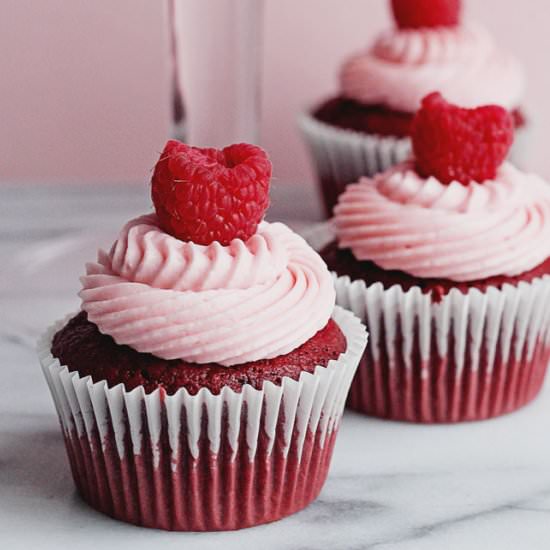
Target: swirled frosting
column 401, row 221
column 222, row 304
column 462, row 63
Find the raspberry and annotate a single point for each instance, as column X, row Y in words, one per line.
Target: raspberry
column 207, row 195
column 413, row 14
column 456, row 144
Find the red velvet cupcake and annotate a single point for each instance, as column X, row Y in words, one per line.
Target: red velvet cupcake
column 446, row 259
column 365, row 129
column 201, row 386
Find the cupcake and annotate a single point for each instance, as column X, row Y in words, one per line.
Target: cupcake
column 202, row 383
column 365, row 129
column 446, row 258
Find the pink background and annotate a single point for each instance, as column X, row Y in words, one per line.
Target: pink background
column 84, row 87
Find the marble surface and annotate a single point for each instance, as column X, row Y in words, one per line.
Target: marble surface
column 392, row 486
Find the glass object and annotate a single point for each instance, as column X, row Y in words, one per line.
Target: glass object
column 178, row 106
column 217, row 47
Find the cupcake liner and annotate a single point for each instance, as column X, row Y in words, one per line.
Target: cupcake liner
column 343, row 156
column 471, row 356
column 202, row 462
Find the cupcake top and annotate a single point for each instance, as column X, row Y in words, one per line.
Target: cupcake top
column 456, row 211
column 204, row 279
column 430, row 49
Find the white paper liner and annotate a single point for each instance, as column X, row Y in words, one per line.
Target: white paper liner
column 254, row 423
column 470, row 356
column 514, row 318
column 314, row 401
column 342, row 156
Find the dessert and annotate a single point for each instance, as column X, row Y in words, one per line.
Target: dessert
column 201, row 386
column 365, row 129
column 446, row 258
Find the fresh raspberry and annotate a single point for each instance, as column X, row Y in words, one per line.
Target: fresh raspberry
column 456, row 144
column 414, row 14
column 207, row 195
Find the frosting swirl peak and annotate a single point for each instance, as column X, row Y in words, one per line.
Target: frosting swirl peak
column 208, row 304
column 462, row 63
column 423, row 227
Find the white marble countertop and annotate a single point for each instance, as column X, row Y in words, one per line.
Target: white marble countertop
column 392, row 486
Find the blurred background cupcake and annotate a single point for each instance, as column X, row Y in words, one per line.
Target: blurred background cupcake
column 446, row 258
column 365, row 128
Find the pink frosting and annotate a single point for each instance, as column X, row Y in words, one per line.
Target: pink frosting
column 223, row 304
column 462, row 63
column 404, row 222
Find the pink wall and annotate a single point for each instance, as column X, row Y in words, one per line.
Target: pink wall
column 84, row 85
column 83, row 88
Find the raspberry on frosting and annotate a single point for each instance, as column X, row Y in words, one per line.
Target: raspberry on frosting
column 207, row 195
column 456, row 144
column 204, row 279
column 413, row 14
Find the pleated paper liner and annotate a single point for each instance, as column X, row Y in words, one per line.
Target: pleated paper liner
column 203, row 462
column 343, row 156
column 470, row 356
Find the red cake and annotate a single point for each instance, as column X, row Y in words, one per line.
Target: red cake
column 201, row 386
column 342, row 262
column 446, row 258
column 81, row 347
